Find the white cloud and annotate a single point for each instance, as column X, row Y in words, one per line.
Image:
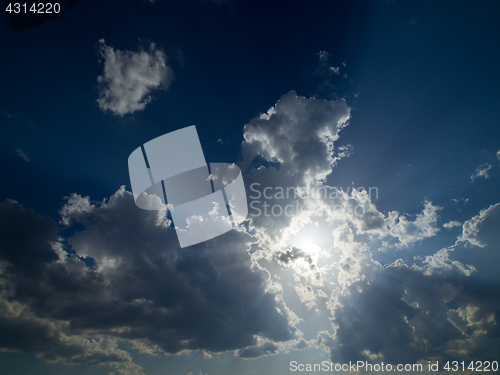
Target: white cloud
column 452, row 224
column 481, row 171
column 474, row 250
column 481, row 229
column 498, row 154
column 424, row 226
column 129, row 78
column 298, row 133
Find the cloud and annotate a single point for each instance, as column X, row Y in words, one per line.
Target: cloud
column 481, row 229
column 129, row 78
column 119, row 283
column 452, row 224
column 30, row 256
column 388, row 312
column 121, row 277
column 293, row 254
column 379, row 311
column 298, row 133
column 481, row 171
column 498, row 154
column 474, row 251
column 266, row 348
column 22, row 155
column 424, row 226
column 336, row 70
column 404, row 316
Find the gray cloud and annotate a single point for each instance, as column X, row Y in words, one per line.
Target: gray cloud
column 403, row 316
column 143, row 288
column 444, row 309
column 292, row 254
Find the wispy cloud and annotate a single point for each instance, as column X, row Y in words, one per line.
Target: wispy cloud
column 481, row 171
column 22, row 155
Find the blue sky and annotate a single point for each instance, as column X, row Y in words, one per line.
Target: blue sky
column 398, row 95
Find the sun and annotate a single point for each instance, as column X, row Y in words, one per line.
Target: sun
column 309, row 247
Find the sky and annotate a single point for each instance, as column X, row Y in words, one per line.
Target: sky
column 383, row 115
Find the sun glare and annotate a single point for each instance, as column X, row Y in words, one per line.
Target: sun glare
column 309, row 247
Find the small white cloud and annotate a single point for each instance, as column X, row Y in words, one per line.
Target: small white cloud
column 22, row 155
column 481, row 171
column 498, row 154
column 336, row 70
column 452, row 224
column 130, row 77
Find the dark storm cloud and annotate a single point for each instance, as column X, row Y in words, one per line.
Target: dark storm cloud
column 25, row 238
column 209, row 297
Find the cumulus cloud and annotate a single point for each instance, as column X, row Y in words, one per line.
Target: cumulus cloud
column 379, row 311
column 480, row 230
column 388, row 314
column 452, row 224
column 129, row 78
column 481, row 171
column 298, row 133
column 119, row 283
column 123, row 277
